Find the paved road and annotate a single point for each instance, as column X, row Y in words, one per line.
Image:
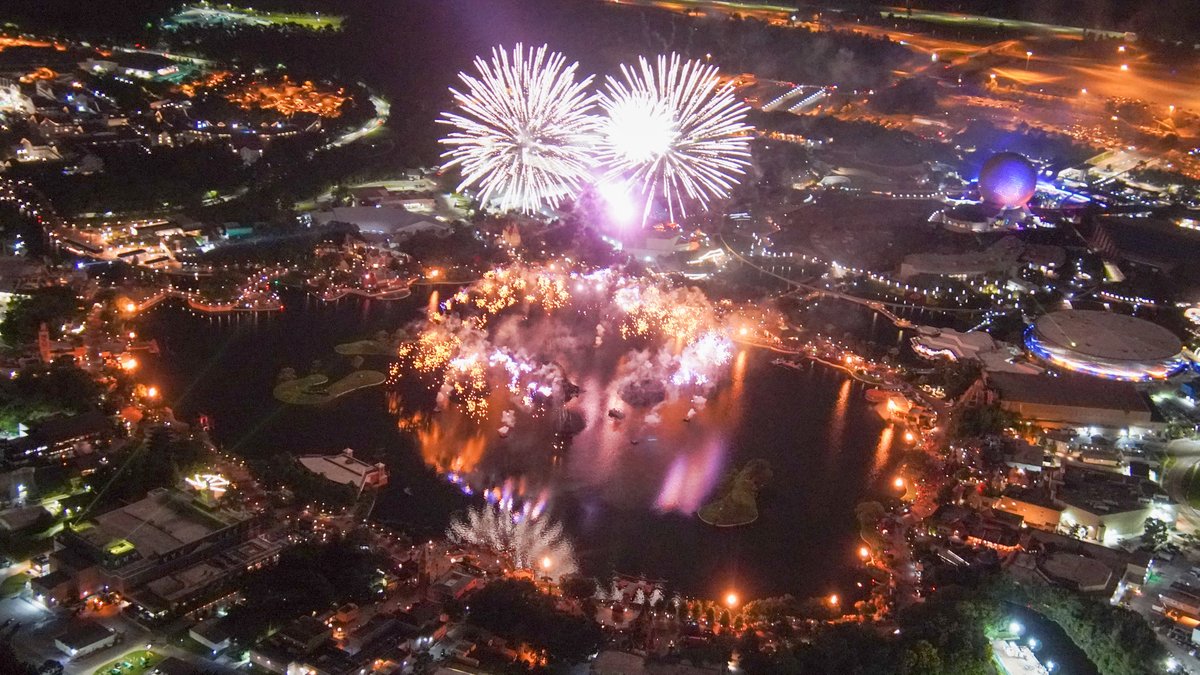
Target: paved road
column 1187, row 457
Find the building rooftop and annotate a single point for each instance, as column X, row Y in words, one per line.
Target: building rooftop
column 1035, row 496
column 83, row 634
column 305, row 629
column 1101, row 492
column 1068, row 390
column 1107, row 335
column 1078, row 570
column 215, row 631
column 162, row 522
column 341, row 468
column 389, row 220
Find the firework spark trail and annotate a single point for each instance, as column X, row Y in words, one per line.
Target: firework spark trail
column 525, row 133
column 530, row 540
column 674, row 132
column 703, row 359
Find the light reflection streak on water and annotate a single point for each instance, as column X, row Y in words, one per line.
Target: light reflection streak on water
column 837, row 421
column 883, row 451
column 674, row 466
column 432, row 307
column 690, row 479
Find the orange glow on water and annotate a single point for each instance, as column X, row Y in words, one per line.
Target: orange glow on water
column 883, row 451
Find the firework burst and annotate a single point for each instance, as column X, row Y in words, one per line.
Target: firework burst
column 525, row 132
column 530, row 541
column 674, row 132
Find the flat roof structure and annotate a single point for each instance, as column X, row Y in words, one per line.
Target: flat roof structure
column 151, row 538
column 158, row 524
column 346, row 469
column 1067, row 390
column 1080, row 571
column 1077, row 401
column 1105, row 344
column 80, row 635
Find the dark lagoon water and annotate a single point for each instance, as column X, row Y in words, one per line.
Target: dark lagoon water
column 1053, row 644
column 627, row 507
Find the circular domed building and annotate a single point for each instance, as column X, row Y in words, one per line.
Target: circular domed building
column 1115, row 346
column 1007, row 180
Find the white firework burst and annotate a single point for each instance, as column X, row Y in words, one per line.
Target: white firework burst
column 673, row 131
column 530, row 542
column 524, row 129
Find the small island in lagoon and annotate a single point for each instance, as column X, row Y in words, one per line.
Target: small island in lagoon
column 737, row 496
column 316, row 389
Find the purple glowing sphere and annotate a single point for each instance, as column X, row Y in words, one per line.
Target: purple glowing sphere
column 1007, row 180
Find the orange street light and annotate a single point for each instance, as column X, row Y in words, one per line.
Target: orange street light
column 152, row 392
column 834, row 600
column 899, row 482
column 731, row 599
column 864, row 552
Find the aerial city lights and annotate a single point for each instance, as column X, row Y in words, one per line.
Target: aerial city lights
column 653, row 362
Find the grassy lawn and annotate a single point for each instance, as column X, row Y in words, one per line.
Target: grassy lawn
column 315, row 389
column 14, row 584
column 133, row 663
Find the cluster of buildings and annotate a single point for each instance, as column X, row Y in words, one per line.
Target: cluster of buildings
column 169, row 554
column 54, row 96
column 48, row 93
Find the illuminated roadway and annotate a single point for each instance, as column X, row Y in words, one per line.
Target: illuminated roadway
column 1154, row 83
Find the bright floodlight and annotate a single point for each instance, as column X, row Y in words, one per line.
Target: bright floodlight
column 673, row 130
column 525, row 132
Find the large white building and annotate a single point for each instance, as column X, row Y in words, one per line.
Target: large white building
column 1105, row 344
column 392, row 221
column 346, row 469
